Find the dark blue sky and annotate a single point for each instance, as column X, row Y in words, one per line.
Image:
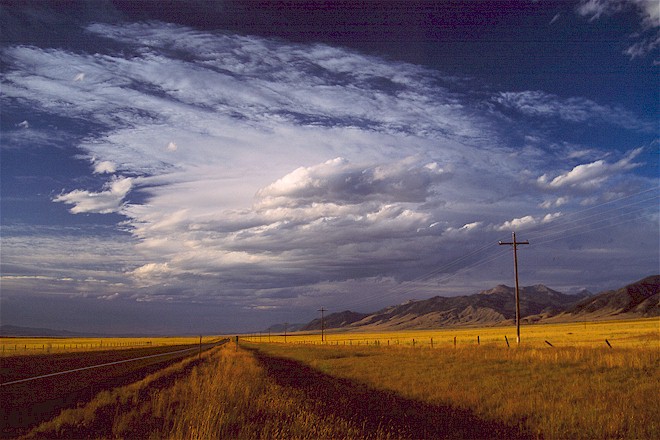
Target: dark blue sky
column 247, row 162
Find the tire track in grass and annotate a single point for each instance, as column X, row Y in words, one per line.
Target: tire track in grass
column 376, row 409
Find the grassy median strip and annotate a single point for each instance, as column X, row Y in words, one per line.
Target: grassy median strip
column 225, row 395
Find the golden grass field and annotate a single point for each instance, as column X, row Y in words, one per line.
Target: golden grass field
column 621, row 333
column 21, row 346
column 579, row 388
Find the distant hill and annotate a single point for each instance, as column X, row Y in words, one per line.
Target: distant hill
column 279, row 328
column 15, row 330
column 489, row 307
column 335, row 320
column 641, row 298
column 496, row 306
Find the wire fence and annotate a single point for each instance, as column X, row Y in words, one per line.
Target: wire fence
column 12, row 346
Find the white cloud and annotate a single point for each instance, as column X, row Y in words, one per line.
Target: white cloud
column 527, row 222
column 150, row 270
column 517, row 223
column 551, row 217
column 554, row 203
column 104, row 202
column 339, row 181
column 104, row 167
column 110, row 297
column 591, row 175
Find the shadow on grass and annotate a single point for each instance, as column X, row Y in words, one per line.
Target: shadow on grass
column 375, row 409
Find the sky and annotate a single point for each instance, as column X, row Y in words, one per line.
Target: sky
column 207, row 167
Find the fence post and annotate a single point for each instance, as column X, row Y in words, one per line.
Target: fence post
column 431, row 342
column 507, row 341
column 413, row 342
column 454, row 341
column 478, row 342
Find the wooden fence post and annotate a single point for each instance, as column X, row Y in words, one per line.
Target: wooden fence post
column 507, row 341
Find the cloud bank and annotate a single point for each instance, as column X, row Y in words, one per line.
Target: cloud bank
column 259, row 172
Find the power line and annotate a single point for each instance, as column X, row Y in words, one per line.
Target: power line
column 547, row 233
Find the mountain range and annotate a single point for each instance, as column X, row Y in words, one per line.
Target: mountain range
column 497, row 307
column 7, row 330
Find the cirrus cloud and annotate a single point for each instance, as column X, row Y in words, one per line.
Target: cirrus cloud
column 648, row 12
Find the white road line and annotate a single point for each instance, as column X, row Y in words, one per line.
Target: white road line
column 96, row 366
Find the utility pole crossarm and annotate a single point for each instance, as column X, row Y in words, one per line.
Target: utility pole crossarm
column 515, row 244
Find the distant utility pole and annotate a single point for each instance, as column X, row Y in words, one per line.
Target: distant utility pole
column 286, row 324
column 515, row 244
column 322, row 324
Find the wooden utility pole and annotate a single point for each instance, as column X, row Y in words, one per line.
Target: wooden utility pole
column 286, row 324
column 515, row 244
column 322, row 324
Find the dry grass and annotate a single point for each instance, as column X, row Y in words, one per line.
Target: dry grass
column 227, row 395
column 579, row 389
column 556, row 393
